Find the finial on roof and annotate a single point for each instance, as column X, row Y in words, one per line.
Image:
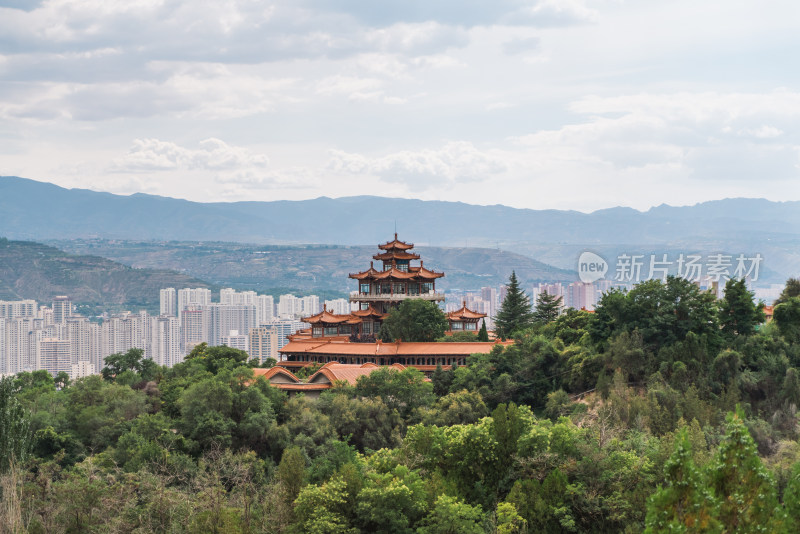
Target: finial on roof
column 370, row 265
column 395, row 233
column 324, row 306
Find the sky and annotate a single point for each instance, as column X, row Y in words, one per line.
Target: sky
column 544, row 104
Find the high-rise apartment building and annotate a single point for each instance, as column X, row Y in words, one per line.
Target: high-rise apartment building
column 11, row 309
column 231, row 296
column 235, row 340
column 193, row 296
column 53, row 356
column 168, row 298
column 193, row 328
column 263, row 343
column 265, row 309
column 165, row 340
column 62, row 308
column 220, row 319
column 338, row 306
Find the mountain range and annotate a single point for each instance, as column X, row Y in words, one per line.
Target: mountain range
column 41, row 211
column 36, row 271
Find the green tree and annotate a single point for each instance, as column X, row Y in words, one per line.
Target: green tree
column 414, row 320
column 483, row 334
column 216, row 358
column 790, row 290
column 686, row 503
column 323, row 509
column 441, row 380
column 404, row 391
column 738, row 314
column 14, row 427
column 515, row 312
column 391, row 502
column 742, row 484
column 787, row 318
column 206, row 413
column 449, row 516
column 791, row 500
column 62, row 380
column 132, row 361
column 548, row 308
column 291, row 473
column 663, row 313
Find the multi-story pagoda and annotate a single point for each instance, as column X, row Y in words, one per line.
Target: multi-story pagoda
column 379, row 290
column 350, row 338
column 396, row 281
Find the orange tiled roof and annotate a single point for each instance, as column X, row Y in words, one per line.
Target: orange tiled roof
column 369, row 312
column 272, row 371
column 327, row 317
column 396, row 244
column 397, row 274
column 335, row 348
column 464, row 313
column 341, row 372
column 396, row 255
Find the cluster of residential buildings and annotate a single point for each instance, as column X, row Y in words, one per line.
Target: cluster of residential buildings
column 295, row 331
column 54, row 338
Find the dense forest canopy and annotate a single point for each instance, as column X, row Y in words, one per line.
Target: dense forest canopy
column 667, row 410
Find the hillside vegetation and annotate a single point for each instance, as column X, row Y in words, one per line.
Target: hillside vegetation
column 35, row 271
column 311, row 268
column 665, row 411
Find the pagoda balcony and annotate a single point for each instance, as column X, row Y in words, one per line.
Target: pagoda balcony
column 355, row 296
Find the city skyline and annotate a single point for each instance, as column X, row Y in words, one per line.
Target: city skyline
column 676, row 103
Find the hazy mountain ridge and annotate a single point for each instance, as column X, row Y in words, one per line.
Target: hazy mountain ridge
column 35, row 271
column 41, row 211
column 312, row 268
column 37, row 210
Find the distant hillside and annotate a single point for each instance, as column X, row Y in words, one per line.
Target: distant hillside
column 35, row 271
column 38, row 210
column 309, row 268
column 41, row 211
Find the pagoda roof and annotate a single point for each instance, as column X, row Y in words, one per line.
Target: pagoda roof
column 327, row 317
column 465, row 314
column 397, row 274
column 369, row 312
column 396, row 244
column 343, row 348
column 396, row 255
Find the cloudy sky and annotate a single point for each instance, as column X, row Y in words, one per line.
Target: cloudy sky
column 568, row 104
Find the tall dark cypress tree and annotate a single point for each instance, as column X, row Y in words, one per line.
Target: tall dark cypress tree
column 548, row 308
column 483, row 334
column 515, row 312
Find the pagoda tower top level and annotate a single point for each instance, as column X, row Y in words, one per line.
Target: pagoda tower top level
column 396, row 245
column 397, row 279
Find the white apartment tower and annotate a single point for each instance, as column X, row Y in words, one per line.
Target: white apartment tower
column 168, row 298
column 11, row 309
column 193, row 297
column 265, row 309
column 62, row 308
column 53, row 356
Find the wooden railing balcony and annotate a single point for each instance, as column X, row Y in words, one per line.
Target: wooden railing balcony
column 355, row 296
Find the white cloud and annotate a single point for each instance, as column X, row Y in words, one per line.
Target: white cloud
column 455, row 162
column 155, row 155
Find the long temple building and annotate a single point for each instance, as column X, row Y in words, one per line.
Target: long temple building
column 351, row 338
